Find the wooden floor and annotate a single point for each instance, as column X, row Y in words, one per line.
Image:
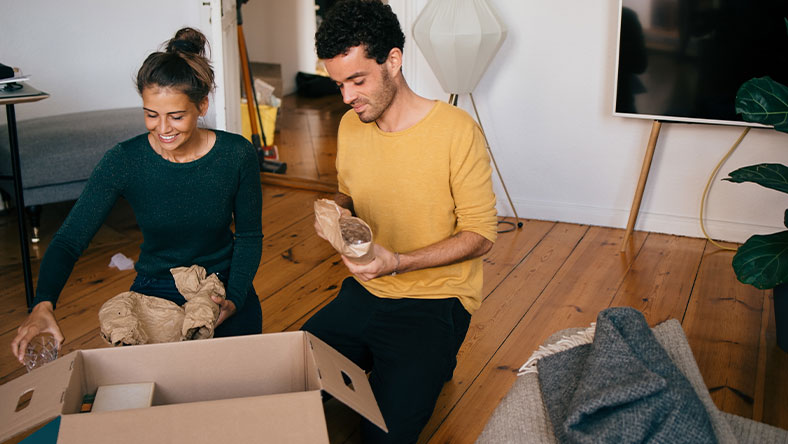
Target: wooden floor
column 540, row 279
column 306, row 138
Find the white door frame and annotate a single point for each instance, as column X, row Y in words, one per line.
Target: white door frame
column 220, row 17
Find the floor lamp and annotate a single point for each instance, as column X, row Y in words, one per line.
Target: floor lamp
column 459, row 39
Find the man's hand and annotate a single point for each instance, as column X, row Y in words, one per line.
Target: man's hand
column 40, row 320
column 460, row 247
column 385, row 263
column 226, row 309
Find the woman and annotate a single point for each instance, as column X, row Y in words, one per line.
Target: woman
column 186, row 185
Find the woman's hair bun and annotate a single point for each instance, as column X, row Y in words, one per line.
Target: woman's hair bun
column 189, row 41
column 182, row 66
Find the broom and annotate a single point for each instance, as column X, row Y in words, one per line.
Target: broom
column 267, row 155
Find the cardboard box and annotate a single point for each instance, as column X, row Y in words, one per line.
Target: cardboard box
column 260, row 388
column 123, row 396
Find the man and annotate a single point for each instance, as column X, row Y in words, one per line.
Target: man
column 417, row 172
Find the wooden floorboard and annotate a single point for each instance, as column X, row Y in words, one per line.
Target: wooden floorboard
column 661, row 279
column 501, row 312
column 289, row 305
column 287, row 208
column 583, row 285
column 723, row 327
column 538, row 280
column 541, row 279
column 307, row 138
column 300, row 162
column 512, row 249
column 280, row 180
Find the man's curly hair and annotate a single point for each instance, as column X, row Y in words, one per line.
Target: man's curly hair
column 352, row 23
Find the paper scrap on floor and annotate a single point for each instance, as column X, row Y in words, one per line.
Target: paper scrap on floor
column 121, row 262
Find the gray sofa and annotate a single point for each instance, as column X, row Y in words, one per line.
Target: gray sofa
column 58, row 153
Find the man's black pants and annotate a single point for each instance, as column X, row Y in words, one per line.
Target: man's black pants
column 409, row 346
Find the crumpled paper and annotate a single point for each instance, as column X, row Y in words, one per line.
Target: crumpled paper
column 349, row 235
column 200, row 311
column 131, row 318
column 121, row 262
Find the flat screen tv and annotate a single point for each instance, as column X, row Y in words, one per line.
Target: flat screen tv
column 684, row 60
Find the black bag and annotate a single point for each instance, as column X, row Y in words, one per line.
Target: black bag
column 313, row 85
column 6, row 71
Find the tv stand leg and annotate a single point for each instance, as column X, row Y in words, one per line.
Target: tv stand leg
column 633, row 212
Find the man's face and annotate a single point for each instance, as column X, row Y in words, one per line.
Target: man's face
column 365, row 85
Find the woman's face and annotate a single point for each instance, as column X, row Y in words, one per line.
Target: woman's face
column 171, row 118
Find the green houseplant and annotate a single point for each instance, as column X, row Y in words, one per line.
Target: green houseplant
column 762, row 261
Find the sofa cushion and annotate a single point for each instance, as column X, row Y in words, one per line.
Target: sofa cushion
column 65, row 148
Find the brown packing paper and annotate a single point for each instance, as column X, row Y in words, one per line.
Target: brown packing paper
column 200, row 311
column 132, row 318
column 350, row 236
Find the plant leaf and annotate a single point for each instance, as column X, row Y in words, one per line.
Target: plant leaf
column 769, row 175
column 762, row 100
column 763, row 260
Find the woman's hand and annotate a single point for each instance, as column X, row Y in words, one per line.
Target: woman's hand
column 226, row 309
column 385, row 263
column 40, row 320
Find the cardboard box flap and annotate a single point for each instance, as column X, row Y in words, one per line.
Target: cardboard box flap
column 295, row 418
column 345, row 381
column 35, row 398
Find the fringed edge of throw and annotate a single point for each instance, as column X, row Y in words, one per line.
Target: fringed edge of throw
column 580, row 338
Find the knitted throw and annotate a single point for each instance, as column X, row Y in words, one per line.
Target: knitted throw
column 621, row 388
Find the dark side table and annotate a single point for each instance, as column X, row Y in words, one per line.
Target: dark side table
column 9, row 98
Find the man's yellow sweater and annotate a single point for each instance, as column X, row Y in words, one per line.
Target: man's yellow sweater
column 417, row 187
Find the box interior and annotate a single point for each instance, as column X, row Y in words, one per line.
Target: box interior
column 223, row 368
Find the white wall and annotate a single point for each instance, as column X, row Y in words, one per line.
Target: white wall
column 281, row 32
column 86, row 53
column 546, row 104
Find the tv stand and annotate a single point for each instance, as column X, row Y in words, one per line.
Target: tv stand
column 644, row 170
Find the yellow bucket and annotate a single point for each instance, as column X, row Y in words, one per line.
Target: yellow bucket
column 267, row 115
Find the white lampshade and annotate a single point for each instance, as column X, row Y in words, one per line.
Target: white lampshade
column 459, row 39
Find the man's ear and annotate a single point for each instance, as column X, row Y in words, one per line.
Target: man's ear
column 394, row 61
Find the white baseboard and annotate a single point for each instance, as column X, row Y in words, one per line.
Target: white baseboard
column 617, row 218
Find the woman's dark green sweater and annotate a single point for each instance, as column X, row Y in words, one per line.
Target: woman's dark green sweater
column 184, row 211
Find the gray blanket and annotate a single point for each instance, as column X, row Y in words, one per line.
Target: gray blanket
column 622, row 388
